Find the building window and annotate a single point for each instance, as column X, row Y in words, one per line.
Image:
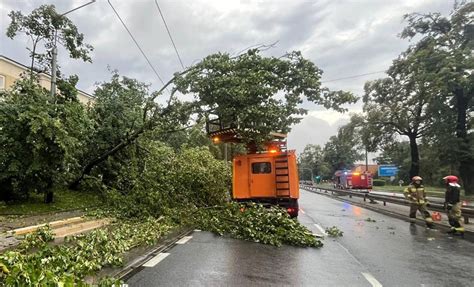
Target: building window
column 2, row 82
column 261, row 167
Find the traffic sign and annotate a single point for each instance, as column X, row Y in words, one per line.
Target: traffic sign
column 388, row 170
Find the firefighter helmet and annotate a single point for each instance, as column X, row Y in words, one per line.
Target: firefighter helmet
column 416, row 177
column 451, row 178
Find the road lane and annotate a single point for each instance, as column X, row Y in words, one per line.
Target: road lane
column 387, row 252
column 209, row 260
column 392, row 250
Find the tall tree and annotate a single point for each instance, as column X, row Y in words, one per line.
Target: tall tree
column 400, row 103
column 312, row 160
column 45, row 26
column 341, row 151
column 452, row 39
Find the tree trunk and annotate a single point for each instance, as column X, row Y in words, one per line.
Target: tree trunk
column 49, row 194
column 415, row 156
column 88, row 168
column 466, row 159
column 466, row 172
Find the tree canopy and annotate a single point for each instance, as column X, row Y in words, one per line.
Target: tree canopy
column 258, row 94
column 46, row 26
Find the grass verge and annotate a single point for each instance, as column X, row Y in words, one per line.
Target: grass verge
column 64, row 200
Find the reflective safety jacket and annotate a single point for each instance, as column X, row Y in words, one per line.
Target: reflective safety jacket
column 452, row 195
column 415, row 194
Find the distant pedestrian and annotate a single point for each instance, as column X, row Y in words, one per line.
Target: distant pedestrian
column 415, row 193
column 452, row 204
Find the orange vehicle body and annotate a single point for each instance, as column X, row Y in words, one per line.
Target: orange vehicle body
column 270, row 177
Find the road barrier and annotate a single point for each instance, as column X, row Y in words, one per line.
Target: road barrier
column 467, row 212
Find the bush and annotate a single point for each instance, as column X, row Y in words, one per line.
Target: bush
column 378, row 182
column 164, row 180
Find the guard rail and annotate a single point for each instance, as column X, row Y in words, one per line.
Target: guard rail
column 467, row 212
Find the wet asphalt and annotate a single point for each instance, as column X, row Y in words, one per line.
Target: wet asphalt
column 387, row 252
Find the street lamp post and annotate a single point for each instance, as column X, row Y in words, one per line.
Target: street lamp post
column 54, row 66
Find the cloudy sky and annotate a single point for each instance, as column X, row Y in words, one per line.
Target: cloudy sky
column 343, row 37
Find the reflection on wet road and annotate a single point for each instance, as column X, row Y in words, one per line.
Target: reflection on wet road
column 375, row 250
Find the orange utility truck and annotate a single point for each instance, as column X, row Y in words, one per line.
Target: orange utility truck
column 269, row 177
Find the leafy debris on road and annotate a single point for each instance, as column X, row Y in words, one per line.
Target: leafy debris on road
column 41, row 264
column 38, row 238
column 334, row 232
column 254, row 222
column 368, row 219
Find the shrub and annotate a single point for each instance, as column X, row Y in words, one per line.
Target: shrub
column 378, row 182
column 191, row 177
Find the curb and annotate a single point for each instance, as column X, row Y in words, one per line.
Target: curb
column 468, row 234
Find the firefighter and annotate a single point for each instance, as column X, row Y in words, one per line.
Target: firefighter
column 453, row 204
column 416, row 195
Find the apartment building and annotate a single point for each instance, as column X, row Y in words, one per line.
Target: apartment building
column 10, row 71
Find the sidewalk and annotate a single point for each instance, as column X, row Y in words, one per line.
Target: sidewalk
column 67, row 225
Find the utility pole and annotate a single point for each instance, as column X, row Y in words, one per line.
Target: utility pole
column 54, row 66
column 366, row 160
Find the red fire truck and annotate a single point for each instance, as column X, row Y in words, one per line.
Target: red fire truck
column 346, row 179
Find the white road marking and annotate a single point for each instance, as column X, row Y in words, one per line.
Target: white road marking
column 320, row 228
column 372, row 280
column 184, row 240
column 350, row 254
column 155, row 260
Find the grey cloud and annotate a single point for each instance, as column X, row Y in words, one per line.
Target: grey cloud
column 343, row 38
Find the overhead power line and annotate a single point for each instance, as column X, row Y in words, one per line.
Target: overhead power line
column 136, row 43
column 354, row 76
column 169, row 34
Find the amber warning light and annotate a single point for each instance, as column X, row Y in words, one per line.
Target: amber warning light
column 215, row 140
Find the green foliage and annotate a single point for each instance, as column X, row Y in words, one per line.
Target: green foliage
column 378, row 182
column 341, row 151
column 255, row 223
column 190, row 177
column 334, row 232
column 40, row 138
column 81, row 255
column 451, row 41
column 125, row 112
column 311, row 161
column 258, row 94
column 41, row 26
column 39, row 238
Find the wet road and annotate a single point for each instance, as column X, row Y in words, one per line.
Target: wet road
column 387, row 252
